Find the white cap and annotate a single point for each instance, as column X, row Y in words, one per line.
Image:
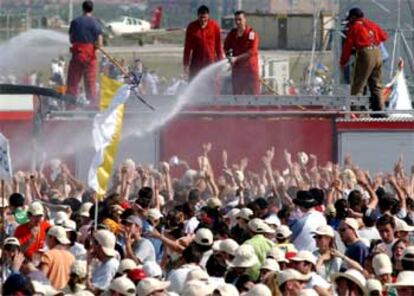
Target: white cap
column 401, row 225
column 126, row 265
column 149, row 285
column 259, row 290
column 374, row 285
column 227, row 245
column 154, row 213
column 283, row 231
column 204, row 237
column 46, row 290
column 12, row 241
column 272, row 220
column 152, row 269
column 259, row 226
column 245, row 213
column 106, row 240
column 69, row 225
column 197, row 288
column 59, row 233
column 290, row 275
column 36, row 209
column 324, row 230
column 353, row 275
column 123, row 285
column 197, row 274
column 60, row 217
column 270, row 264
column 84, row 209
column 277, row 254
column 232, row 214
column 245, row 256
column 79, row 267
column 381, row 264
column 227, row 290
column 305, row 256
column 404, row 279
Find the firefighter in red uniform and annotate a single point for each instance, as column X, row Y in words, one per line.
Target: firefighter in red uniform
column 85, row 36
column 243, row 44
column 365, row 36
column 202, row 45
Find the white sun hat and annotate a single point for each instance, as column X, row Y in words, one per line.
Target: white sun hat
column 259, row 290
column 290, row 275
column 277, row 254
column 270, row 264
column 197, row 288
column 227, row 290
column 304, row 256
column 354, row 276
column 107, row 241
column 283, row 232
column 404, row 279
column 325, row 230
column 374, row 285
column 227, row 245
column 259, row 226
column 245, row 213
column 123, row 285
column 126, row 265
column 382, row 264
column 149, row 285
column 245, row 256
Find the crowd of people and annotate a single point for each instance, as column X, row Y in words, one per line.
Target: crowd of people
column 303, row 229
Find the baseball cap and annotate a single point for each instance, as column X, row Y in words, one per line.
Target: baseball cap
column 324, row 230
column 123, row 286
column 69, row 225
column 59, row 233
column 60, row 217
column 126, row 265
column 245, row 213
column 245, row 256
column 408, row 254
column 283, row 231
column 270, row 264
column 197, row 274
column 204, row 237
column 154, row 213
column 259, row 226
column 227, row 245
column 353, row 223
column 106, row 240
column 12, row 241
column 150, row 285
column 401, row 225
column 304, row 256
column 136, row 274
column 36, row 209
column 214, row 202
column 259, row 290
column 290, row 275
column 197, row 288
column 381, row 264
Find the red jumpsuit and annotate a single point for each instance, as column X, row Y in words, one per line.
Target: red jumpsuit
column 202, row 46
column 84, row 32
column 245, row 75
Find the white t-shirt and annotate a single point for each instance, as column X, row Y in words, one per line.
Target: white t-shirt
column 369, row 233
column 103, row 274
column 312, row 220
column 144, row 250
column 191, row 225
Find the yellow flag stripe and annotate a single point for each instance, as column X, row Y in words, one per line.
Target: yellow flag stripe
column 108, row 89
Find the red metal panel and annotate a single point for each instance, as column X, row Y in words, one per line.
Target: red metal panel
column 375, row 125
column 248, row 137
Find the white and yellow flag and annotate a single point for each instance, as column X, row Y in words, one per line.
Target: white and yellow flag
column 107, row 126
